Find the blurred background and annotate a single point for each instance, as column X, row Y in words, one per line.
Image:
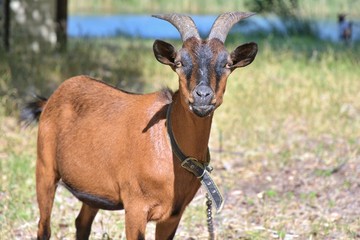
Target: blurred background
column 285, row 143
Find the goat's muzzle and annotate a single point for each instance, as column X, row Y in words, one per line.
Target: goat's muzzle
column 203, row 103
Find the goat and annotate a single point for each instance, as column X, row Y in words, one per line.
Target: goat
column 110, row 148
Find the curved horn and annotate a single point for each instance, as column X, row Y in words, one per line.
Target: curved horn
column 184, row 24
column 224, row 23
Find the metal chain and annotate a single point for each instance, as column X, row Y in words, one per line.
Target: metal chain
column 210, row 224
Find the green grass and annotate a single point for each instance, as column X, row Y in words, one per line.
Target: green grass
column 308, row 9
column 145, row 6
column 293, row 116
column 18, row 188
column 299, row 87
column 17, row 178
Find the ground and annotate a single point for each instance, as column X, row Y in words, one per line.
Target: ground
column 313, row 195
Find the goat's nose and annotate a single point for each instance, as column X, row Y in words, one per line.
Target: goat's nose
column 203, row 91
column 204, row 94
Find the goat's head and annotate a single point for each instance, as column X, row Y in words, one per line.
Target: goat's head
column 203, row 66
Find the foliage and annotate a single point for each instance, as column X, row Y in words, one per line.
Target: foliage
column 287, row 10
column 283, row 8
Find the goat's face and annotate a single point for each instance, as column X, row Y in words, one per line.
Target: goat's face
column 203, row 66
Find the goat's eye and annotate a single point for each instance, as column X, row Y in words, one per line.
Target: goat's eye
column 227, row 65
column 178, row 64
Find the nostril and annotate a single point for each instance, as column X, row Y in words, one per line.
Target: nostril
column 203, row 91
column 202, row 94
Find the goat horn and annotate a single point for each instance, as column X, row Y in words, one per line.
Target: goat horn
column 224, row 23
column 184, row 24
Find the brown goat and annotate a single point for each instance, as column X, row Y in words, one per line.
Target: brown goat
column 111, row 149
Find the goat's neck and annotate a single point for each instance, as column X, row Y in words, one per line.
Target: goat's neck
column 191, row 132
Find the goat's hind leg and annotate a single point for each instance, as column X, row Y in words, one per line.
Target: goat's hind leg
column 46, row 183
column 47, row 177
column 84, row 221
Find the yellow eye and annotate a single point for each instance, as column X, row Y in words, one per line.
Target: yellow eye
column 178, row 64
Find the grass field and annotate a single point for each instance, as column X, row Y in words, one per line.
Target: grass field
column 308, row 9
column 292, row 117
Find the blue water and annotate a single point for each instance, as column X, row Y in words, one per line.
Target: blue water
column 131, row 25
column 145, row 26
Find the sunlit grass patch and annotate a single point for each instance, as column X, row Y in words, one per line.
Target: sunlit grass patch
column 17, row 194
column 286, row 90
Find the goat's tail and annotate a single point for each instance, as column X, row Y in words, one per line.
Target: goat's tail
column 31, row 111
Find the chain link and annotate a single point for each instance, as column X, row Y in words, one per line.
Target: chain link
column 210, row 224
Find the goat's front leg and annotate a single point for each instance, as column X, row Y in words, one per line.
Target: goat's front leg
column 166, row 230
column 135, row 222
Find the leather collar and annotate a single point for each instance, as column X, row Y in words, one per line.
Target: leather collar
column 200, row 170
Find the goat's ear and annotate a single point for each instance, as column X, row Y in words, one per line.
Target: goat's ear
column 243, row 55
column 164, row 52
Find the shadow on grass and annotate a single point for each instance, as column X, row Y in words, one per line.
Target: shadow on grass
column 24, row 73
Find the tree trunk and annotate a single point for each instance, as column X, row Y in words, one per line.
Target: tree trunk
column 6, row 9
column 61, row 23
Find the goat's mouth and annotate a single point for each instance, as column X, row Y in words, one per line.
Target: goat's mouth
column 202, row 110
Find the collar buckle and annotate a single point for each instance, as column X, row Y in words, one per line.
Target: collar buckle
column 193, row 165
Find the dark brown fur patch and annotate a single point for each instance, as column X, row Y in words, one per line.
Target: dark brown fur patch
column 93, row 200
column 166, row 94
